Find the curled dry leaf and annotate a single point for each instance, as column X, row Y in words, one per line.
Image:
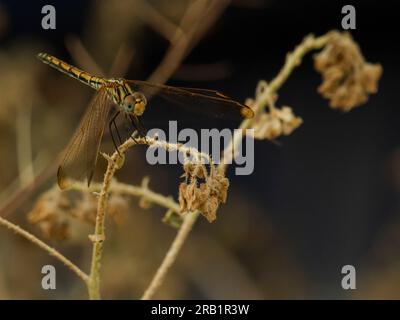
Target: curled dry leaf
column 348, row 79
column 203, row 191
column 277, row 122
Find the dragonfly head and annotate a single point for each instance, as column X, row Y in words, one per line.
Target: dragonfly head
column 135, row 103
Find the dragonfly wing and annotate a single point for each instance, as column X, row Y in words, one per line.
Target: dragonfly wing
column 80, row 156
column 206, row 101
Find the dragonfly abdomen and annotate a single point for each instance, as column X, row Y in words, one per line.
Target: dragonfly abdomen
column 86, row 78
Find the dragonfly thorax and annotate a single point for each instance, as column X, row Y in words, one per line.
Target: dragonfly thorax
column 131, row 102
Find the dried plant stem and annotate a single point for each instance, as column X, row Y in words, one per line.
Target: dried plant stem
column 53, row 252
column 157, row 20
column 137, row 191
column 196, row 154
column 293, row 60
column 149, row 195
column 170, row 257
column 99, row 233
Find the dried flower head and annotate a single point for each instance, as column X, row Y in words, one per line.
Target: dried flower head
column 347, row 78
column 85, row 208
column 202, row 191
column 50, row 213
column 55, row 211
column 275, row 122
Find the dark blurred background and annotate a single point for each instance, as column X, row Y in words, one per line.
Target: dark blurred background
column 328, row 196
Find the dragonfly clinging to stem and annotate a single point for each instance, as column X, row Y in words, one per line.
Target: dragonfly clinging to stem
column 128, row 97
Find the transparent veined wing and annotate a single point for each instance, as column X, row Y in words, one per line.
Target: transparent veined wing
column 205, row 101
column 81, row 154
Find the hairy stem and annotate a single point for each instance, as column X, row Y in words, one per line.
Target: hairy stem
column 99, row 233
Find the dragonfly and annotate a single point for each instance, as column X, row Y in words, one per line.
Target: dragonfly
column 129, row 98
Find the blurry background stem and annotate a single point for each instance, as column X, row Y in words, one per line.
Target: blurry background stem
column 24, row 146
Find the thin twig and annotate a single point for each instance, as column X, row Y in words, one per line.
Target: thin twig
column 171, row 255
column 188, row 151
column 53, row 252
column 136, row 191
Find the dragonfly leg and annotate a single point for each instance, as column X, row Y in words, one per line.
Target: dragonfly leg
column 112, row 121
column 137, row 129
column 116, row 129
column 138, row 126
column 141, row 127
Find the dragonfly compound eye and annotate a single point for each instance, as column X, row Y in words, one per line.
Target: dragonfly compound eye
column 128, row 104
column 139, row 103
